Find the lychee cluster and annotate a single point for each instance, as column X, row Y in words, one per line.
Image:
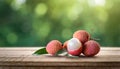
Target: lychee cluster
column 80, row 43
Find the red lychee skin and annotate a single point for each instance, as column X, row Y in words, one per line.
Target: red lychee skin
column 82, row 35
column 91, row 48
column 74, row 47
column 76, row 52
column 65, row 45
column 53, row 47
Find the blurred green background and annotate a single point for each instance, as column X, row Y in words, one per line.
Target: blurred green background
column 36, row 22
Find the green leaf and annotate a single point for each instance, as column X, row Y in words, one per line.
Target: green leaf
column 40, row 51
column 67, row 54
column 60, row 51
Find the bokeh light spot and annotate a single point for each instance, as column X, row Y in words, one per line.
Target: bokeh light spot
column 41, row 9
column 100, row 2
column 16, row 4
column 43, row 30
column 73, row 13
column 12, row 38
column 94, row 3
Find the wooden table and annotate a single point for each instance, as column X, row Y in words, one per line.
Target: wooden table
column 22, row 58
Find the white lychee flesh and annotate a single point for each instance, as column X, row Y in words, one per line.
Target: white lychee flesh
column 74, row 44
column 74, row 47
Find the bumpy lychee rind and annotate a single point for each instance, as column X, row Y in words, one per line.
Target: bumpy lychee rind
column 65, row 45
column 76, row 52
column 91, row 48
column 74, row 47
column 53, row 47
column 82, row 35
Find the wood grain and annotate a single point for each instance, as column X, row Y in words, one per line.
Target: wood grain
column 21, row 57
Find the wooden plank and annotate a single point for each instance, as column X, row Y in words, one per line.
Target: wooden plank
column 29, row 50
column 22, row 57
column 63, row 67
column 35, row 48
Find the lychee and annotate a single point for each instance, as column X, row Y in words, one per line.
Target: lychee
column 65, row 45
column 82, row 35
column 91, row 48
column 74, row 47
column 53, row 47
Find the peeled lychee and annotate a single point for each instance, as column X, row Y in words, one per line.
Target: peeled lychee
column 91, row 48
column 74, row 47
column 82, row 35
column 53, row 47
column 65, row 45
